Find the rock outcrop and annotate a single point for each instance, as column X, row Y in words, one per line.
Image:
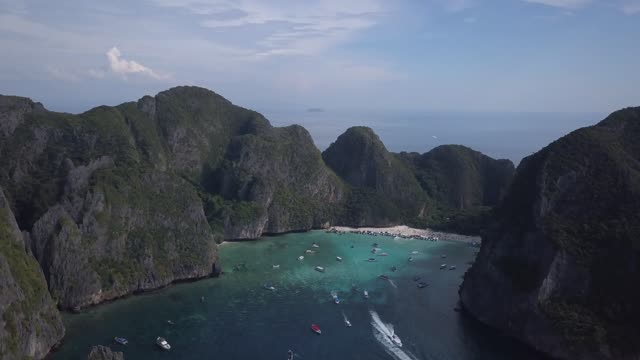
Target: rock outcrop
column 104, row 353
column 30, row 323
column 560, row 268
column 383, row 190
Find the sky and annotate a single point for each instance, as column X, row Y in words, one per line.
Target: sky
column 463, row 55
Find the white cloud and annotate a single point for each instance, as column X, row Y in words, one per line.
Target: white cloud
column 564, row 4
column 287, row 27
column 124, row 67
column 631, row 7
column 59, row 74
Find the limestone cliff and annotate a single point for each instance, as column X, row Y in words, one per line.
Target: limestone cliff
column 560, row 267
column 30, row 324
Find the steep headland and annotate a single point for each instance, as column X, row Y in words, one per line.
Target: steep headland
column 560, row 266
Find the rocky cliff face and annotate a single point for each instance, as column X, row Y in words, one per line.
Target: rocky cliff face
column 383, row 190
column 129, row 198
column 30, row 324
column 560, row 267
column 104, row 353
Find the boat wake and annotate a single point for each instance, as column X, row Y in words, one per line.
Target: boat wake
column 382, row 332
column 393, row 284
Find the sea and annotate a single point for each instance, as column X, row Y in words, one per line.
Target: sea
column 499, row 134
column 235, row 317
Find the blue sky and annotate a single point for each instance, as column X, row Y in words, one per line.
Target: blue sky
column 466, row 55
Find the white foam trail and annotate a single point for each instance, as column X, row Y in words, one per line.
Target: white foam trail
column 393, row 284
column 382, row 333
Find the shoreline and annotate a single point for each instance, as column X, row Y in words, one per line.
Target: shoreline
column 407, row 232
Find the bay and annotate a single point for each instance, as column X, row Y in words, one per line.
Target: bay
column 234, row 317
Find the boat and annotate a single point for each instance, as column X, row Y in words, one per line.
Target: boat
column 315, row 245
column 374, row 250
column 383, row 277
column 410, row 258
column 320, row 269
column 276, row 266
column 161, row 342
column 316, row 329
column 383, row 254
column 170, row 322
column 443, row 266
column 371, row 260
column 269, row 287
column 366, row 294
column 121, row 340
column 347, row 323
column 415, row 252
column 452, row 267
column 309, row 251
column 338, row 258
column 395, row 339
column 422, row 284
column 289, row 355
column 334, row 295
column 300, row 257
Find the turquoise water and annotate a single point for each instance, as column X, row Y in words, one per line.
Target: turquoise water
column 239, row 319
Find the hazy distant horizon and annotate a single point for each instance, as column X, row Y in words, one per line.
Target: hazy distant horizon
column 501, row 135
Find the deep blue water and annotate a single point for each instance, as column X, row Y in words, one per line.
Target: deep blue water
column 504, row 135
column 241, row 320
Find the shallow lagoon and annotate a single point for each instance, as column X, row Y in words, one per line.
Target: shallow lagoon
column 239, row 319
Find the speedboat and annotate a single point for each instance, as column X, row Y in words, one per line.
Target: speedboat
column 338, row 258
column 319, row 269
column 410, row 259
column 309, row 251
column 316, row 329
column 315, row 245
column 452, row 267
column 334, row 295
column 422, row 285
column 276, row 266
column 347, row 323
column 366, row 294
column 371, row 260
column 395, row 339
column 383, row 277
column 383, row 254
column 289, row 355
column 300, row 257
column 443, row 266
column 170, row 322
column 415, row 252
column 121, row 340
column 269, row 287
column 161, row 342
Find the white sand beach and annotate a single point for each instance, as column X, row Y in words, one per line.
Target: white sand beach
column 405, row 231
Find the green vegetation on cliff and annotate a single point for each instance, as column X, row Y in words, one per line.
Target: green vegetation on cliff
column 570, row 226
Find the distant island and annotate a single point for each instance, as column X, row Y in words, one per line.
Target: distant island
column 315, row 110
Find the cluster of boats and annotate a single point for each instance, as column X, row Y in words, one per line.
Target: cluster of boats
column 160, row 341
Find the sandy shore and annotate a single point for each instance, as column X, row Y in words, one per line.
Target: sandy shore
column 405, row 231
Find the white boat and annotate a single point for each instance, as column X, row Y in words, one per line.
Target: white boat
column 366, row 294
column 161, row 342
column 334, row 295
column 383, row 254
column 276, row 266
column 319, row 269
column 452, row 267
column 309, row 251
column 347, row 322
column 395, row 339
column 300, row 257
column 415, row 252
column 315, row 245
column 338, row 258
column 443, row 266
column 269, row 287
